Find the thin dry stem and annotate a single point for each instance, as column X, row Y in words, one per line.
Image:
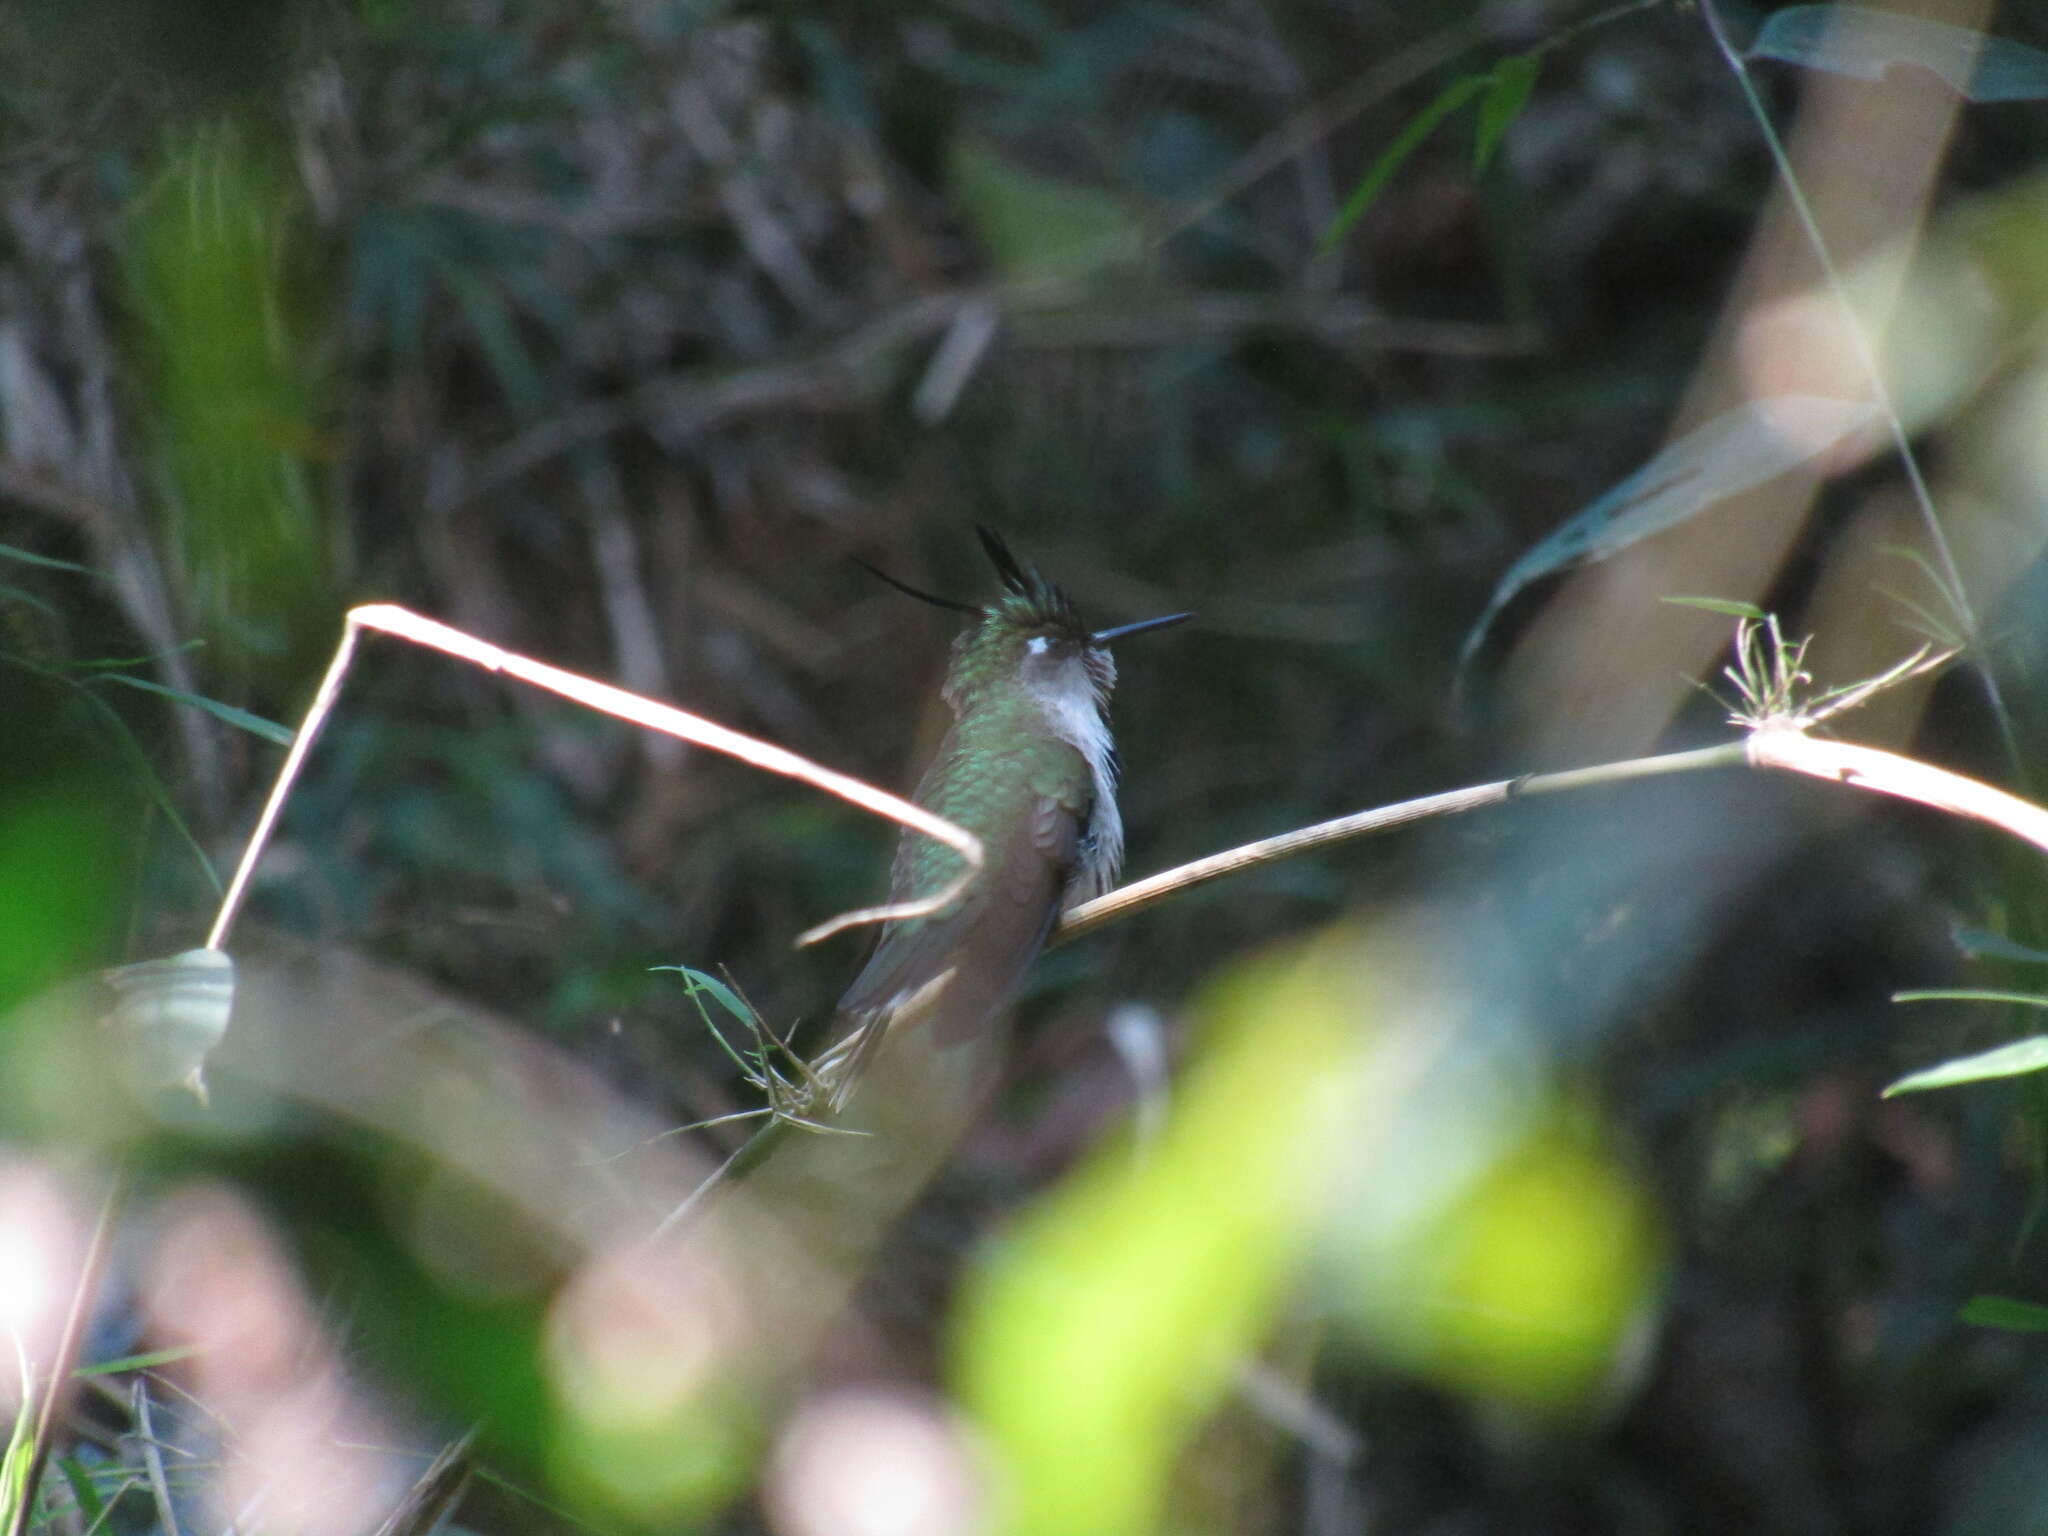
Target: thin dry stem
column 621, row 704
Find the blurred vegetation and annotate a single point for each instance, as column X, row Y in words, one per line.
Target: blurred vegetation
column 1525, row 1174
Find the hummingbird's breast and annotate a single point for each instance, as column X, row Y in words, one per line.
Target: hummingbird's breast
column 1075, row 717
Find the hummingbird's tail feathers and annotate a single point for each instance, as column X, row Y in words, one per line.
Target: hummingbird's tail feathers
column 839, row 1068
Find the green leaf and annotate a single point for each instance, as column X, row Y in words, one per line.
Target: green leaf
column 256, row 725
column 1507, row 92
column 9, row 552
column 1735, row 452
column 142, row 1362
column 1856, row 40
column 1982, row 944
column 1406, row 142
column 497, row 332
column 1034, row 226
column 701, row 981
column 2005, row 1312
column 1734, row 608
column 1971, row 995
column 79, row 1477
column 2022, row 1056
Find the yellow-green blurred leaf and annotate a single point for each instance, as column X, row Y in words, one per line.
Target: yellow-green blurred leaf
column 1528, row 1288
column 1112, row 1319
column 1035, row 226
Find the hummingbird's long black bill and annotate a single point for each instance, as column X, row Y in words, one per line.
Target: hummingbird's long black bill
column 1104, row 636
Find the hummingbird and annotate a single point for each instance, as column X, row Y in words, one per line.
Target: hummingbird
column 1029, row 766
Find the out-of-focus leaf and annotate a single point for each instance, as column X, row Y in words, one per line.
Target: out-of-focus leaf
column 1736, row 451
column 1406, row 142
column 142, row 1362
column 1731, row 607
column 173, row 1012
column 212, row 262
column 1507, row 92
column 1857, row 40
column 497, row 332
column 2005, row 1312
column 17, row 1454
column 1983, row 944
column 58, row 883
column 2014, row 1060
column 1035, row 226
column 256, row 725
column 1525, row 1289
column 78, row 1477
column 1971, row 995
column 9, row 552
column 1116, row 1313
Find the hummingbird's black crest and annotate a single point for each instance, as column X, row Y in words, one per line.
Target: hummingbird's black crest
column 1029, row 600
column 1043, row 603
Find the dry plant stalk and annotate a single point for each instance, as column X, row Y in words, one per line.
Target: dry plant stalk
column 390, row 619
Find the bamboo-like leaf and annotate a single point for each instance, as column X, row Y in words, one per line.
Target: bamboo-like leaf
column 1730, row 607
column 1406, row 142
column 1971, row 995
column 2022, row 1056
column 79, row 1478
column 148, row 1360
column 1035, row 226
column 1982, row 944
column 9, row 552
column 1735, row 452
column 2005, row 1312
column 256, row 725
column 703, row 981
column 1507, row 92
column 1856, row 40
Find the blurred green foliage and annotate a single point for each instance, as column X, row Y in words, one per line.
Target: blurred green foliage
column 213, row 277
column 610, row 333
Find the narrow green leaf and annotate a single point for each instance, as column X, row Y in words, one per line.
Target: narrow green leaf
column 1982, row 944
column 496, row 330
column 1040, row 227
column 142, row 1362
column 2022, row 1056
column 30, row 600
column 1507, row 92
column 9, row 552
column 1735, row 452
column 1971, row 995
column 2005, row 1312
column 138, row 760
column 79, row 1477
column 256, row 725
column 1856, row 40
column 1734, row 608
column 1406, row 142
column 701, row 981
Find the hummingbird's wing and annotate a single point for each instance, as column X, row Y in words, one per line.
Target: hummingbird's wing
column 961, row 967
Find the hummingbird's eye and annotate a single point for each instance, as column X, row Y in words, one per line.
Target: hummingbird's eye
column 1038, row 645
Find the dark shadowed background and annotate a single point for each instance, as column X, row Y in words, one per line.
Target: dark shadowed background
column 1524, row 1173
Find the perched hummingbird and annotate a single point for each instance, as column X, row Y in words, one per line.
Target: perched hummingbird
column 1029, row 767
